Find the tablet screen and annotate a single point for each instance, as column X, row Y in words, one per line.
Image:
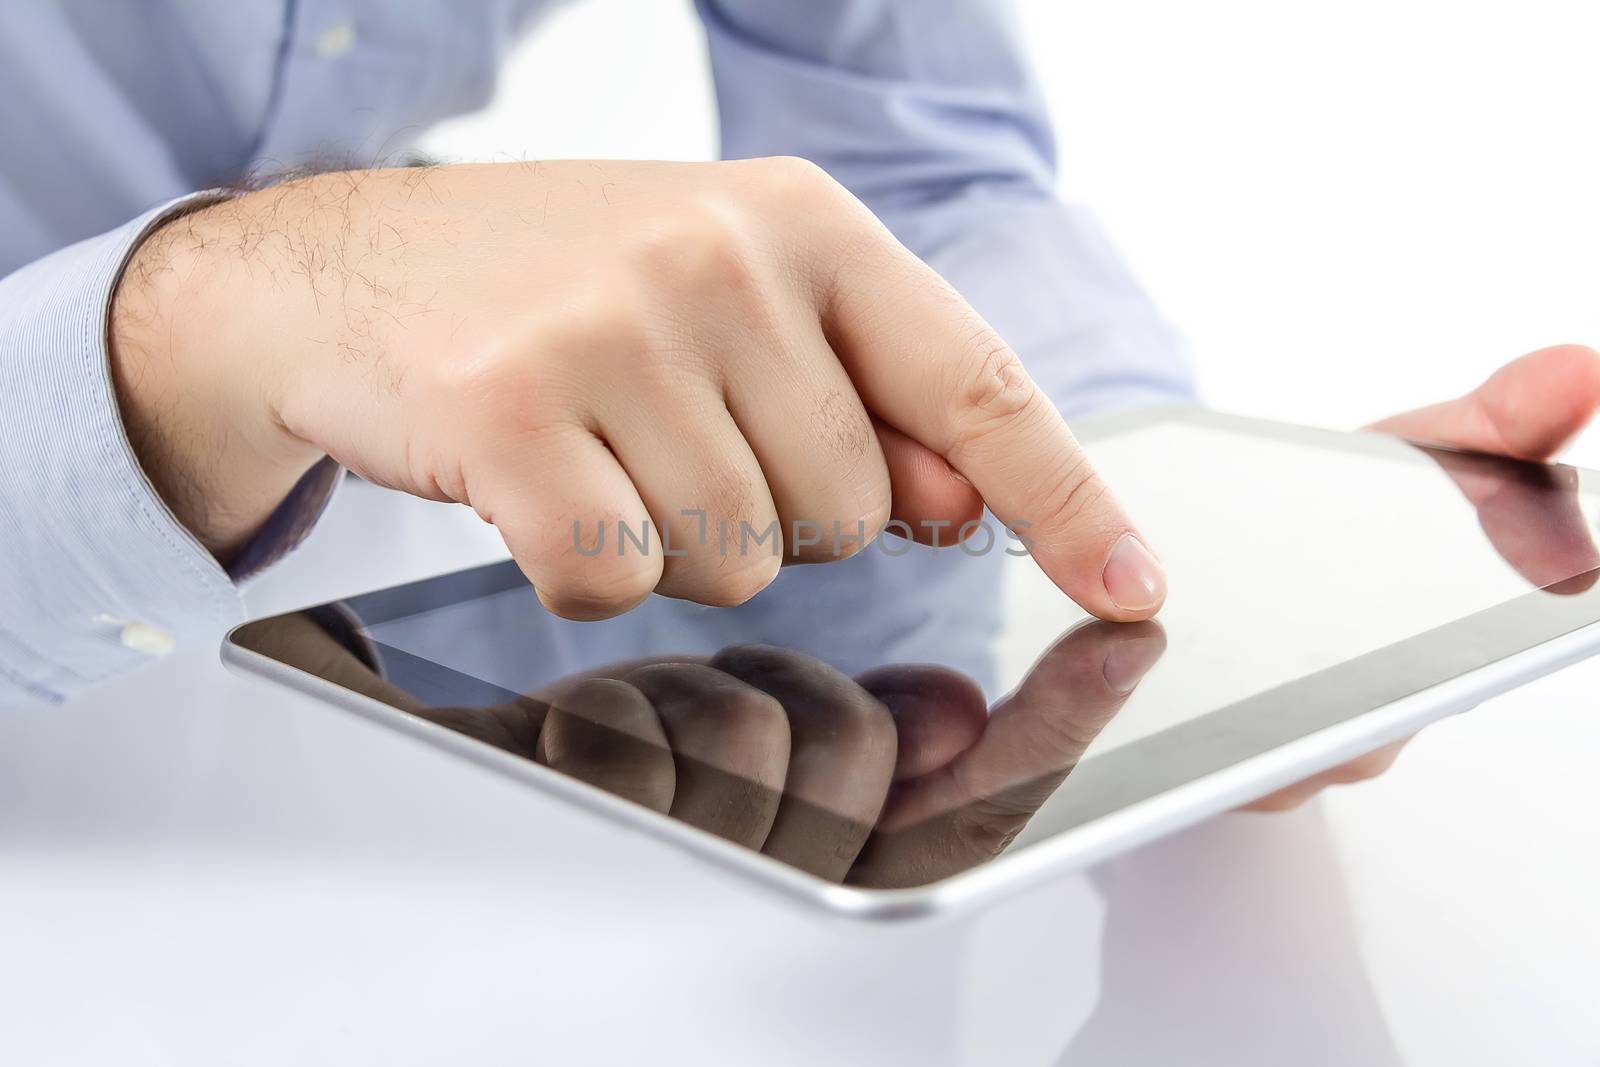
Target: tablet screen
column 911, row 713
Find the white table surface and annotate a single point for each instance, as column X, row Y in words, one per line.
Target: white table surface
column 197, row 868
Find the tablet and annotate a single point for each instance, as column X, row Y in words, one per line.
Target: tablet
column 912, row 731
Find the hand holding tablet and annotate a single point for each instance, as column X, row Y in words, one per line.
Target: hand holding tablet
column 1529, row 409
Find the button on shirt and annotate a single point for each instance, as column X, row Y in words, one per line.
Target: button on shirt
column 113, row 114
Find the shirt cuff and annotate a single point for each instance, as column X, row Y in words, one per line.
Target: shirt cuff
column 96, row 573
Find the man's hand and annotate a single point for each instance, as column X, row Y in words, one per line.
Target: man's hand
column 567, row 345
column 1528, row 409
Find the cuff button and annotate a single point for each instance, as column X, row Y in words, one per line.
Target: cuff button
column 151, row 640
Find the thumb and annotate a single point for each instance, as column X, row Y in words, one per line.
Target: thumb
column 1527, row 409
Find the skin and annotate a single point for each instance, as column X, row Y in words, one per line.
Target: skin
column 567, row 344
column 584, row 343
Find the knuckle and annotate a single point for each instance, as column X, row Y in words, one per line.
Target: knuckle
column 858, row 499
column 866, row 723
column 745, row 713
column 811, row 689
column 844, row 429
column 728, row 496
column 812, row 222
column 797, row 179
column 1065, row 737
column 705, row 246
column 985, row 829
column 724, row 705
column 993, row 391
column 721, row 258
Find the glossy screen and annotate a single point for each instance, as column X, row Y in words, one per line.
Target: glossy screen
column 910, row 714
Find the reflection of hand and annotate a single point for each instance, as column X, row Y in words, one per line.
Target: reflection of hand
column 762, row 746
column 966, row 810
column 898, row 777
column 1528, row 410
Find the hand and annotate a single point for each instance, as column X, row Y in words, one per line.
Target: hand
column 571, row 347
column 1529, row 409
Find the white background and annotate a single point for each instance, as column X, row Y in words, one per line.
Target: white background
column 1348, row 209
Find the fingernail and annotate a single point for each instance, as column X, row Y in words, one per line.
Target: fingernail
column 1133, row 578
column 1130, row 660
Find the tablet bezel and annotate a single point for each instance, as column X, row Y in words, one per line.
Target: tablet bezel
column 1184, row 774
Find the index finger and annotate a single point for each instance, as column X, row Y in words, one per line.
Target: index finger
column 927, row 364
column 970, row 810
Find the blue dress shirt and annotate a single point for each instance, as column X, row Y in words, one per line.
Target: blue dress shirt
column 113, row 113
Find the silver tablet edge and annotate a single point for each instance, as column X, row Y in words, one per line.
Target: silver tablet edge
column 1070, row 851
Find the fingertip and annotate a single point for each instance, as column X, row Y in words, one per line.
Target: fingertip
column 1537, row 403
column 1579, row 364
column 1578, row 583
column 1579, row 368
column 1134, row 579
column 1130, row 657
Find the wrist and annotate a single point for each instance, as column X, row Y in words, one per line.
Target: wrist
column 190, row 366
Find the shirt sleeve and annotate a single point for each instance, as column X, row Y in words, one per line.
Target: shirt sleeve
column 96, row 574
column 928, row 111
